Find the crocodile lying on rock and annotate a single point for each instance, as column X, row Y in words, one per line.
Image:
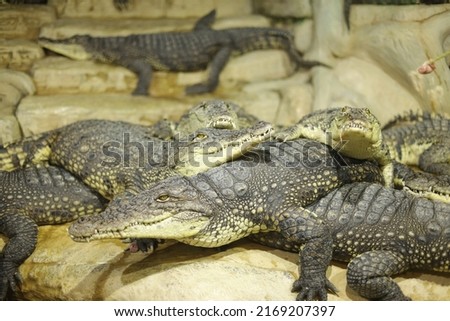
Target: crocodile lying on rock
column 177, row 51
column 37, row 195
column 354, row 132
column 265, row 190
column 381, row 231
column 113, row 156
column 421, row 139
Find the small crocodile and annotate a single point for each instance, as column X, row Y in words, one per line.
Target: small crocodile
column 381, row 231
column 421, row 139
column 37, row 195
column 210, row 113
column 177, row 51
column 354, row 132
column 265, row 190
column 114, row 156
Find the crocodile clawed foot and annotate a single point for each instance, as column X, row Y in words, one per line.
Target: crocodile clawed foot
column 146, row 245
column 198, row 89
column 309, row 290
column 9, row 279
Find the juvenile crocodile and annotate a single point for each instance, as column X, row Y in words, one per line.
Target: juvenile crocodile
column 177, row 51
column 38, row 195
column 354, row 132
column 382, row 232
column 211, row 113
column 266, row 190
column 424, row 142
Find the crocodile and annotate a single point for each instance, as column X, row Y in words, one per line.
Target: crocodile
column 435, row 187
column 381, row 232
column 114, row 156
column 265, row 190
column 37, row 195
column 354, row 132
column 421, row 140
column 210, row 113
column 177, row 51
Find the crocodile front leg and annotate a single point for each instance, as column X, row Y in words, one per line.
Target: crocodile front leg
column 369, row 275
column 22, row 234
column 143, row 71
column 217, row 64
column 303, row 227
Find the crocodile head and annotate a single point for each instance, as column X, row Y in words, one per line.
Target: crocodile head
column 356, row 131
column 210, row 147
column 73, row 47
column 212, row 113
column 431, row 186
column 172, row 209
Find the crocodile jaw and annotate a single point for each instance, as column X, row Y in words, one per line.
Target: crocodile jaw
column 71, row 50
column 164, row 226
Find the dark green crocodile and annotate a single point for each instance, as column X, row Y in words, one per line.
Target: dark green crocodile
column 37, row 195
column 421, row 139
column 265, row 190
column 210, row 113
column 382, row 232
column 177, row 51
column 114, row 156
column 354, row 132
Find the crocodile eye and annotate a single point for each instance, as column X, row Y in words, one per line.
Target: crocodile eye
column 163, row 198
column 201, row 136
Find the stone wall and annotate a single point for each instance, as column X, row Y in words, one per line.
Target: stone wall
column 373, row 64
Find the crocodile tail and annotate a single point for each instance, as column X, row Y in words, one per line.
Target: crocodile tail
column 30, row 150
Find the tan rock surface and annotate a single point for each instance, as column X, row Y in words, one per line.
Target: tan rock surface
column 61, row 269
column 9, row 129
column 150, row 8
column 37, row 114
column 24, row 22
column 19, row 54
column 64, row 28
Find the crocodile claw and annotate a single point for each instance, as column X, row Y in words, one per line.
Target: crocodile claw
column 144, row 245
column 309, row 290
column 10, row 278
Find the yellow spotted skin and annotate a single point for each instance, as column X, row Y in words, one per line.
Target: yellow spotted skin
column 265, row 190
column 382, row 232
column 354, row 132
column 177, row 51
column 420, row 139
column 37, row 195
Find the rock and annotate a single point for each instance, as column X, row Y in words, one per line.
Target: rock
column 37, row 114
column 65, row 28
column 373, row 69
column 61, row 269
column 19, row 54
column 150, row 8
column 303, row 34
column 9, row 129
column 24, row 22
column 20, row 80
column 284, row 8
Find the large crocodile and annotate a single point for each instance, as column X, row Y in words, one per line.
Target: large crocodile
column 381, row 231
column 177, row 51
column 37, row 195
column 354, row 132
column 264, row 191
column 114, row 156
